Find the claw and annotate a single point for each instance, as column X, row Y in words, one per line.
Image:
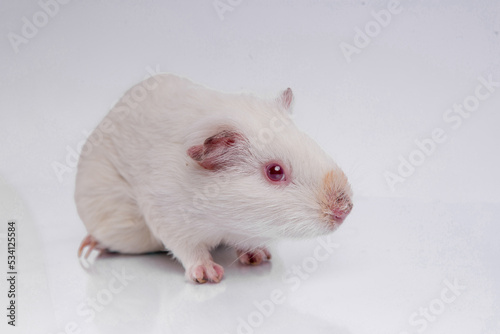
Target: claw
column 89, row 242
column 200, row 280
column 266, row 253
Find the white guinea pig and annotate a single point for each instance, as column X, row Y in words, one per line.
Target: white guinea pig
column 179, row 167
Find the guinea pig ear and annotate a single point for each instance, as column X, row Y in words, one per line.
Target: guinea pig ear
column 218, row 151
column 285, row 100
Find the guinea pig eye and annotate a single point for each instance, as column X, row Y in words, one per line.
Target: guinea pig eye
column 275, row 173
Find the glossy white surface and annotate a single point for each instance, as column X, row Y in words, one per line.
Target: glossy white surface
column 392, row 262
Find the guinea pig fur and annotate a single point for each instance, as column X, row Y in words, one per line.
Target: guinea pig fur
column 179, row 167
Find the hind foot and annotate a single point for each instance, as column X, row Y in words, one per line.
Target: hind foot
column 253, row 257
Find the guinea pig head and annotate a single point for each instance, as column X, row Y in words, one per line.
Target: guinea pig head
column 285, row 185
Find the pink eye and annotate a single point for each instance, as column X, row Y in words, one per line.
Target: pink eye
column 275, row 173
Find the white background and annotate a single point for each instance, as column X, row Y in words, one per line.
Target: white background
column 398, row 249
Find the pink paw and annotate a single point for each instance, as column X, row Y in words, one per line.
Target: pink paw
column 202, row 273
column 253, row 257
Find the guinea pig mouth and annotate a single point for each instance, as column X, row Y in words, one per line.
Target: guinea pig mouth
column 336, row 219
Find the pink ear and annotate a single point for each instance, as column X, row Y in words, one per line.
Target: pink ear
column 286, row 99
column 217, row 151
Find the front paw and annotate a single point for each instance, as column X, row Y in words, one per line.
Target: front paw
column 253, row 257
column 208, row 271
